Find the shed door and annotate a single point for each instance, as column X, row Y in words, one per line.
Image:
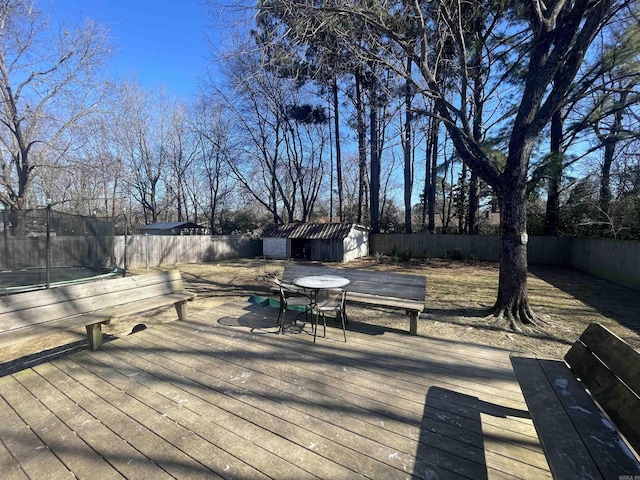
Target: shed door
column 300, row 249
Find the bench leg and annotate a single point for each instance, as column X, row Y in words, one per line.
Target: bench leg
column 181, row 308
column 94, row 334
column 413, row 323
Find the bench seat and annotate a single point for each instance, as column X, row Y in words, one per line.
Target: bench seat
column 386, row 289
column 395, row 302
column 26, row 316
column 585, row 415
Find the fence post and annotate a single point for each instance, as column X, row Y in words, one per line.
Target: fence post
column 48, row 244
column 146, row 250
column 5, row 235
column 126, row 229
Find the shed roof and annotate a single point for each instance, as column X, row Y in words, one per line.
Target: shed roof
column 311, row 231
column 169, row 226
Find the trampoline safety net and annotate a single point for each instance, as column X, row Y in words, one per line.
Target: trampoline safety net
column 33, row 240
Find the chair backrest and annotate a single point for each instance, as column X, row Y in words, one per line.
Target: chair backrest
column 340, row 295
column 343, row 298
column 278, row 283
column 335, row 300
column 287, row 289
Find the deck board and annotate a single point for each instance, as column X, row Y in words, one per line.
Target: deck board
column 27, row 450
column 127, row 460
column 223, row 396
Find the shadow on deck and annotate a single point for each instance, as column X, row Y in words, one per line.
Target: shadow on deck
column 223, row 395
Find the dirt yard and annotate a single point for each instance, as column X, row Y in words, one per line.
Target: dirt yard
column 458, row 297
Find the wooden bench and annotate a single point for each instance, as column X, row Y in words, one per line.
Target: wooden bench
column 396, row 290
column 25, row 316
column 581, row 439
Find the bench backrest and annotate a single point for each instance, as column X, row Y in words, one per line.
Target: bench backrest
column 610, row 368
column 384, row 284
column 31, row 308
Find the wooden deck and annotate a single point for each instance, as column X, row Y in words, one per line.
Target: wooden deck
column 223, row 396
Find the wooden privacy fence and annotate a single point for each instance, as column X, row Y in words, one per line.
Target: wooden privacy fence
column 144, row 251
column 614, row 260
column 544, row 250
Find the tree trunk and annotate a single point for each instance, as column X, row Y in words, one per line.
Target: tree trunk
column 362, row 148
column 552, row 220
column 273, row 196
column 512, row 304
column 374, row 192
column 461, row 201
column 407, row 148
column 477, row 75
column 474, row 204
column 433, row 158
column 336, row 120
column 215, row 230
column 427, row 176
column 610, row 144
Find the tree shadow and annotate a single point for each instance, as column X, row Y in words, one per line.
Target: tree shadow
column 220, row 373
column 471, row 312
column 479, row 319
column 470, row 460
column 32, row 360
column 607, row 298
column 261, row 318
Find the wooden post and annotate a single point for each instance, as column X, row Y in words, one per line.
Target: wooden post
column 181, row 308
column 413, row 322
column 94, row 334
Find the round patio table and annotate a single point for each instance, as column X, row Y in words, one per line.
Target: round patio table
column 321, row 282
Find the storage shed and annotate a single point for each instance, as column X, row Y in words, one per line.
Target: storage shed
column 172, row 228
column 327, row 242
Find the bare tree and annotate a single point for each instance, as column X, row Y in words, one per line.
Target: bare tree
column 408, row 150
column 315, row 49
column 278, row 155
column 322, row 64
column 143, row 126
column 212, row 137
column 181, row 153
column 48, row 85
column 604, row 93
column 93, row 172
column 430, row 173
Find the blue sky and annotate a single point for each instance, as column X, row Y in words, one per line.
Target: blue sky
column 161, row 42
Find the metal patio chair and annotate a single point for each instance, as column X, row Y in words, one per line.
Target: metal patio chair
column 335, row 301
column 290, row 297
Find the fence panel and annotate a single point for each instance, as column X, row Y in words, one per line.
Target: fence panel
column 544, row 250
column 152, row 250
column 549, row 250
column 614, row 260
